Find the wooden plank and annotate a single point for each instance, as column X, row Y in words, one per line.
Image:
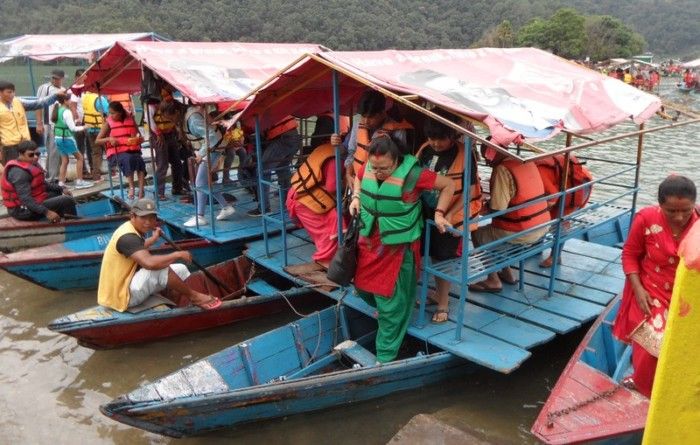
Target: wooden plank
column 559, row 304
column 592, row 250
column 574, row 290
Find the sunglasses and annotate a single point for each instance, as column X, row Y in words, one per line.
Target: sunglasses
column 31, row 154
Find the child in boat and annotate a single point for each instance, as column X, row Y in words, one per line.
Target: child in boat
column 443, row 153
column 64, row 128
column 123, row 141
column 311, row 200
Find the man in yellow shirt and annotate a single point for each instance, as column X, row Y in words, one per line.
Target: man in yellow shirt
column 130, row 273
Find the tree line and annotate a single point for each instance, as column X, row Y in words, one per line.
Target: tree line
column 668, row 26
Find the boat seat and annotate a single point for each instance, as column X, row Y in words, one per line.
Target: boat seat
column 352, row 350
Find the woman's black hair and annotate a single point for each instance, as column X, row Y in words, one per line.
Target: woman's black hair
column 383, row 144
column 371, row 102
column 437, row 130
column 119, row 108
column 678, row 186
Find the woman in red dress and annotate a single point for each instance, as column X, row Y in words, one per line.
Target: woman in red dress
column 649, row 259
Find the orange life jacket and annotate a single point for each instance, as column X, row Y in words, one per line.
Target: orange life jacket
column 124, row 99
column 38, row 188
column 363, row 140
column 528, row 186
column 308, row 181
column 551, row 171
column 455, row 209
column 287, row 124
column 127, row 135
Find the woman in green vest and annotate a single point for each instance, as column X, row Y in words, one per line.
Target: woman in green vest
column 386, row 193
column 63, row 128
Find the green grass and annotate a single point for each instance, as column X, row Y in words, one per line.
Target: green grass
column 18, row 73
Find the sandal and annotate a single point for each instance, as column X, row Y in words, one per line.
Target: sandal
column 481, row 287
column 213, row 303
column 440, row 316
column 130, row 194
column 506, row 278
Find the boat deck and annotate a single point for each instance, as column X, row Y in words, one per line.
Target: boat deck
column 239, row 227
column 500, row 329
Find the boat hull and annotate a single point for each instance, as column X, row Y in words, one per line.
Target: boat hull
column 587, row 404
column 197, row 416
column 96, row 217
column 75, row 264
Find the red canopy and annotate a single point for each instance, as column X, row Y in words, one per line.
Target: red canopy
column 518, row 93
column 205, row 72
column 46, row 47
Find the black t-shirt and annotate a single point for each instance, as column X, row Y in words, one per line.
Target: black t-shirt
column 440, row 162
column 130, row 243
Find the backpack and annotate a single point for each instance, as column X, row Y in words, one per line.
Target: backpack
column 551, row 171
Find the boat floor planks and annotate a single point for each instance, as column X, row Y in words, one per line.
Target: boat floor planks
column 499, row 329
column 240, row 226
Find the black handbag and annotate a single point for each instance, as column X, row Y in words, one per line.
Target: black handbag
column 344, row 263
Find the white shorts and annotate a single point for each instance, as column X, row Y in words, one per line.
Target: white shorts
column 148, row 282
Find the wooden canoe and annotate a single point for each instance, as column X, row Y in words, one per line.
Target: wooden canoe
column 588, row 403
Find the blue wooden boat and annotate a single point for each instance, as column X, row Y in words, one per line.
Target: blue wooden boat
column 75, row 264
column 96, row 217
column 100, row 327
column 588, row 403
column 311, row 364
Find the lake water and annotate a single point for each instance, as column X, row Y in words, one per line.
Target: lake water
column 51, row 388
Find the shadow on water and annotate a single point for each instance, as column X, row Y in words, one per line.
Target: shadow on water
column 51, row 388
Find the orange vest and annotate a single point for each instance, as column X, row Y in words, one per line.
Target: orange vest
column 124, row 99
column 127, row 135
column 551, row 171
column 287, row 124
column 363, row 140
column 528, row 186
column 307, row 181
column 455, row 210
column 38, row 188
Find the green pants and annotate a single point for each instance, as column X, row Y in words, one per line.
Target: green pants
column 395, row 312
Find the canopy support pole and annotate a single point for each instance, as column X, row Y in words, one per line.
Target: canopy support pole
column 259, row 169
column 466, row 236
column 640, row 146
column 338, row 161
column 31, row 77
column 151, row 140
column 556, row 248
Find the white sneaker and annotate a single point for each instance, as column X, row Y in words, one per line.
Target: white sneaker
column 61, row 184
column 225, row 213
column 83, row 184
column 192, row 222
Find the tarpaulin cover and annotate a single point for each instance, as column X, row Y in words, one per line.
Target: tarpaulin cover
column 518, row 93
column 691, row 64
column 46, row 47
column 205, row 72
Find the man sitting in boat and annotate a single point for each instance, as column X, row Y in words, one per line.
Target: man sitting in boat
column 311, row 199
column 25, row 192
column 512, row 183
column 130, row 273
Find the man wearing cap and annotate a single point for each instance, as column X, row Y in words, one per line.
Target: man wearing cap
column 53, row 159
column 130, row 273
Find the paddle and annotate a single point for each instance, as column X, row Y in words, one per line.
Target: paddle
column 198, row 266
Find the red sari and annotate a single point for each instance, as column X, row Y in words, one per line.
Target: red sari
column 652, row 252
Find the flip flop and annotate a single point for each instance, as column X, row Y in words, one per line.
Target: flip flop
column 506, row 279
column 439, row 312
column 209, row 305
column 480, row 287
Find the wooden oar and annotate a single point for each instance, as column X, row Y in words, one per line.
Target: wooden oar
column 198, row 266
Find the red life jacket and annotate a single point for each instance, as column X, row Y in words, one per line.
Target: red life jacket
column 551, row 171
column 287, row 124
column 363, row 140
column 9, row 194
column 455, row 210
column 528, row 186
column 127, row 135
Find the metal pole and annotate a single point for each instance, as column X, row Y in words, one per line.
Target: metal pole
column 338, row 160
column 466, row 236
column 31, row 77
column 210, row 191
column 258, row 167
column 563, row 185
column 145, row 106
column 640, row 146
